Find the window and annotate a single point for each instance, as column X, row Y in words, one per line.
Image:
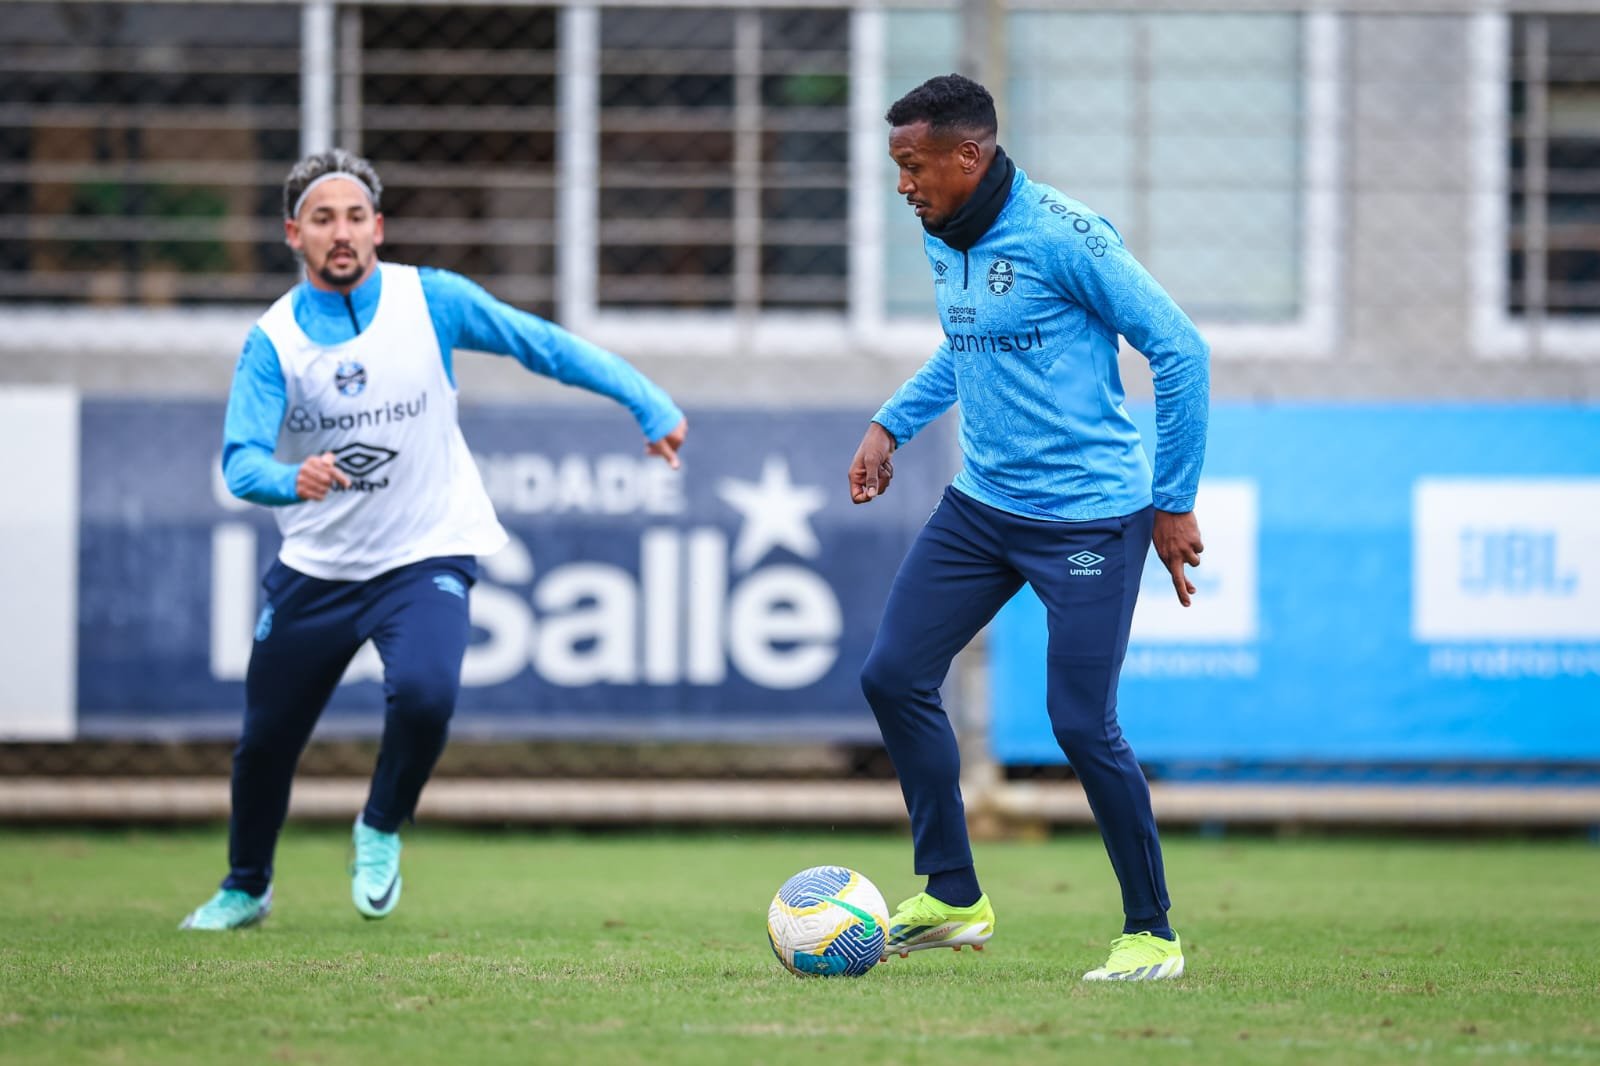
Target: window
column 1553, row 190
column 457, row 110
column 723, row 152
column 1185, row 132
column 678, row 178
column 1206, row 139
column 920, row 45
column 142, row 150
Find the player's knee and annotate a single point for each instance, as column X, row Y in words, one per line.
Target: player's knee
column 1076, row 737
column 884, row 679
column 1086, row 734
column 425, row 698
column 265, row 746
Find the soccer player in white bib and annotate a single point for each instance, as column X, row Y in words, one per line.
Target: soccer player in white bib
column 342, row 418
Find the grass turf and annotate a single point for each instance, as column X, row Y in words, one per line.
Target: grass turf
column 651, row 948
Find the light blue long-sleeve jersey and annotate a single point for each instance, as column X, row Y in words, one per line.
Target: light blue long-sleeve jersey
column 1031, row 315
column 464, row 316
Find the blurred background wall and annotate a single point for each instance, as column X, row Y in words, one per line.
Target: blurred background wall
column 1388, row 225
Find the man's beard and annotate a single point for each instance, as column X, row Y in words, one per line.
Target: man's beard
column 328, row 273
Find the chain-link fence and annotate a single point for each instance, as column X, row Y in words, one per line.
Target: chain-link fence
column 1343, row 185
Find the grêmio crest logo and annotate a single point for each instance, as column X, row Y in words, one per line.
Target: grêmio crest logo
column 1002, row 275
column 302, row 419
column 351, row 378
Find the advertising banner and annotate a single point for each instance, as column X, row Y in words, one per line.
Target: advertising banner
column 1383, row 583
column 735, row 599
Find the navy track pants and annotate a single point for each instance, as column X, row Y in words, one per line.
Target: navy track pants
column 965, row 564
column 310, row 629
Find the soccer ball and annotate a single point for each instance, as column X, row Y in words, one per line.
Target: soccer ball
column 828, row 922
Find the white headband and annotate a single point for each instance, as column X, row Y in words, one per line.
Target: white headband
column 329, row 176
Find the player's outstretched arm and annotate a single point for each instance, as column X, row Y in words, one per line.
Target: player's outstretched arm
column 465, row 315
column 872, row 469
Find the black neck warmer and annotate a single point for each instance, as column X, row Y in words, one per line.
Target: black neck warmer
column 968, row 225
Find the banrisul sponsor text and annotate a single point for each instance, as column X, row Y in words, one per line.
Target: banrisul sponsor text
column 304, row 420
column 996, row 342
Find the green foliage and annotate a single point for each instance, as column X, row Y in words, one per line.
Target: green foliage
column 111, row 199
column 815, row 90
column 646, row 948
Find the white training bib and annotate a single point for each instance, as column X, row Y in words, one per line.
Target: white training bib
column 383, row 405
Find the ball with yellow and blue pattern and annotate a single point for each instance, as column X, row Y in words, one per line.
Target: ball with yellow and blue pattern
column 828, row 921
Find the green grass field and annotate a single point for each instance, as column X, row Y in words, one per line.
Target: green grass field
column 651, row 948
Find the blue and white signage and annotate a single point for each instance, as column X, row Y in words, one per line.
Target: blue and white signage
column 736, row 598
column 1383, row 583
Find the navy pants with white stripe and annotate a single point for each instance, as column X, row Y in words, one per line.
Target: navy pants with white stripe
column 965, row 564
column 309, row 631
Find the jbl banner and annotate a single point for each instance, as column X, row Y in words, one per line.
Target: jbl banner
column 1379, row 583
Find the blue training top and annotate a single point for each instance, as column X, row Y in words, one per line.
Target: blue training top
column 464, row 316
column 1031, row 315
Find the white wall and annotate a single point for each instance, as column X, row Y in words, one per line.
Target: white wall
column 38, row 563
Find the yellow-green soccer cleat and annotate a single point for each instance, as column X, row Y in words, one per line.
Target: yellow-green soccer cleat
column 230, row 908
column 375, row 871
column 1141, row 957
column 923, row 922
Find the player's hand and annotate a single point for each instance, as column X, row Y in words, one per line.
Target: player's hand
column 872, row 469
column 1177, row 541
column 667, row 447
column 317, row 477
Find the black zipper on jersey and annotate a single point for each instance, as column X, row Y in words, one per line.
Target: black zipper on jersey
column 349, row 306
column 963, row 271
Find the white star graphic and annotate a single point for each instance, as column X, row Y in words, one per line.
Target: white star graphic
column 775, row 511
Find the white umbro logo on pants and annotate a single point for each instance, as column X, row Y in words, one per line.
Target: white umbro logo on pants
column 1085, row 563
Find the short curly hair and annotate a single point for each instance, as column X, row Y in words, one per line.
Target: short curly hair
column 949, row 104
column 331, row 161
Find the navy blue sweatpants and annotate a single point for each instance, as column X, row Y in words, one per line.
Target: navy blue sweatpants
column 309, row 631
column 965, row 564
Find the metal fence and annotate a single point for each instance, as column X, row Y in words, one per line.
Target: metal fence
column 1318, row 185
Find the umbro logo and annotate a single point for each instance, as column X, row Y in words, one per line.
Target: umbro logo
column 359, row 460
column 1085, row 564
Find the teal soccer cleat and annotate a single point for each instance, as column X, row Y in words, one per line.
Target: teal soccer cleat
column 375, row 871
column 230, row 908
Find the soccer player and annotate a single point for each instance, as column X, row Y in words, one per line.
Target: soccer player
column 342, row 417
column 1033, row 288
